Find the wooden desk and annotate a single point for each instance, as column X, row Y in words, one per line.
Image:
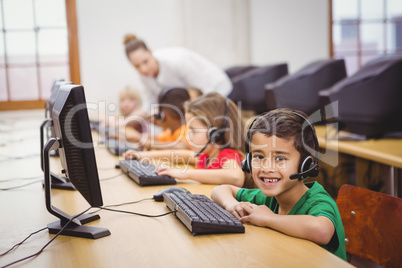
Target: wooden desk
column 138, row 241
column 384, row 151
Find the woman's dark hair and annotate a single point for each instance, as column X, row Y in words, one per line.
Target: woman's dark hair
column 132, row 43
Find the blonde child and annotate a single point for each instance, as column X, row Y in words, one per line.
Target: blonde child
column 217, row 141
column 130, row 104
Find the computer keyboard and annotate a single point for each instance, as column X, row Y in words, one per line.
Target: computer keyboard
column 117, row 147
column 201, row 215
column 143, row 173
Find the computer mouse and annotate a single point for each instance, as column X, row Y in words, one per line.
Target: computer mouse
column 159, row 195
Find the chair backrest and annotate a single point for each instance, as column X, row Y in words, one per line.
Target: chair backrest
column 373, row 225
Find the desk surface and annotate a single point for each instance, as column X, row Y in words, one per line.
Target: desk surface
column 135, row 241
column 385, row 151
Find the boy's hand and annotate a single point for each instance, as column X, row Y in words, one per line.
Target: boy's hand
column 237, row 209
column 257, row 215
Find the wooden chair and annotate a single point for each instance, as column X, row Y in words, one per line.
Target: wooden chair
column 373, row 225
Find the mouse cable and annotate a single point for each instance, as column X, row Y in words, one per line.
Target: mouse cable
column 20, row 186
column 20, row 243
column 50, row 241
column 139, row 214
column 106, row 168
column 115, row 176
column 122, row 204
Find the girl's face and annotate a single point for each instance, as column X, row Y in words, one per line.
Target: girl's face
column 197, row 133
column 127, row 105
column 273, row 161
column 144, row 62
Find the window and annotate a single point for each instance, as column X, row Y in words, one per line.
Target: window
column 38, row 44
column 365, row 29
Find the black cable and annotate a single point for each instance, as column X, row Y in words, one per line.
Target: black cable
column 16, row 245
column 106, row 168
column 19, row 186
column 115, row 176
column 139, row 214
column 50, row 241
column 122, row 204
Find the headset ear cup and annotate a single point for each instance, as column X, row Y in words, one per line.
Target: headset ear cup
column 213, row 135
column 306, row 165
column 246, row 164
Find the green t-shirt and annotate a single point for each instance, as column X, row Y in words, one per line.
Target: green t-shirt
column 316, row 202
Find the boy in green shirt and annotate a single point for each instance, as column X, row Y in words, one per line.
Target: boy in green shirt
column 279, row 160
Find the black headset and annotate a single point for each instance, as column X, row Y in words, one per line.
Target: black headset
column 214, row 134
column 160, row 115
column 307, row 168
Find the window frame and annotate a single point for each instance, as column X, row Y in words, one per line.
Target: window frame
column 359, row 52
column 74, row 63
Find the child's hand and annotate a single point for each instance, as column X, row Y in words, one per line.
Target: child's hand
column 257, row 215
column 238, row 209
column 172, row 172
column 132, row 154
column 115, row 136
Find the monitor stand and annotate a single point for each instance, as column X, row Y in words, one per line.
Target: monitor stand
column 57, row 181
column 75, row 226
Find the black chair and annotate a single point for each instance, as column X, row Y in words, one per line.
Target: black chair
column 300, row 90
column 249, row 87
column 369, row 102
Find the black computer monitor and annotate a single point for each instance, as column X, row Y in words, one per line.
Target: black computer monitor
column 299, row 91
column 369, row 102
column 73, row 139
column 47, row 131
column 53, row 94
column 249, row 87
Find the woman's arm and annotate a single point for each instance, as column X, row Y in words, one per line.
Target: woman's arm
column 231, row 173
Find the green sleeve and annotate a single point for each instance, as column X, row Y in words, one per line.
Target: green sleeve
column 254, row 196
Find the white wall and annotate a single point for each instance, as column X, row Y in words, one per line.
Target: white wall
column 215, row 29
column 292, row 31
column 228, row 32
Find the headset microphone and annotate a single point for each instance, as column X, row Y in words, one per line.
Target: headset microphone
column 200, row 152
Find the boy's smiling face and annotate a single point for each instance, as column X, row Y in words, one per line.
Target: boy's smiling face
column 273, row 161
